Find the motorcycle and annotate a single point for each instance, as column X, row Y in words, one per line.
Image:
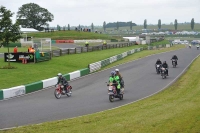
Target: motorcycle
column 60, row 90
column 158, row 70
column 189, row 46
column 112, row 92
column 163, row 73
column 174, row 62
column 197, row 47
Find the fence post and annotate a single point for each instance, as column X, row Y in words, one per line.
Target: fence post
column 60, row 52
column 52, row 53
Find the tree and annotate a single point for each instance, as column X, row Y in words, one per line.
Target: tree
column 33, row 16
column 68, row 27
column 122, row 24
column 58, row 28
column 104, row 26
column 9, row 32
column 64, row 28
column 192, row 24
column 79, row 27
column 92, row 27
column 145, row 24
column 175, row 24
column 131, row 25
column 117, row 26
column 159, row 24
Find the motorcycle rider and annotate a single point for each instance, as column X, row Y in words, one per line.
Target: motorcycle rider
column 115, row 79
column 175, row 58
column 120, row 78
column 158, row 62
column 112, row 77
column 86, row 44
column 62, row 80
column 165, row 65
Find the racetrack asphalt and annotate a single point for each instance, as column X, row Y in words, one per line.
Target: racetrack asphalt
column 90, row 92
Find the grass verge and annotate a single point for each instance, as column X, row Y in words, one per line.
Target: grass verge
column 68, row 35
column 173, row 110
column 29, row 73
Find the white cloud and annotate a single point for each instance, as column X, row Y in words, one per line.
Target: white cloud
column 85, row 12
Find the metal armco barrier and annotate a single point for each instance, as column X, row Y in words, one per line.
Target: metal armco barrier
column 89, row 49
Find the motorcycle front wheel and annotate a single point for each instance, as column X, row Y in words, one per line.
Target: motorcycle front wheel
column 57, row 94
column 163, row 76
column 111, row 98
column 174, row 64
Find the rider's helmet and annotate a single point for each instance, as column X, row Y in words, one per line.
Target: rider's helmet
column 158, row 59
column 164, row 62
column 116, row 70
column 59, row 75
column 112, row 73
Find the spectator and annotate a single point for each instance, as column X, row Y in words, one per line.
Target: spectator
column 32, row 50
column 15, row 50
column 29, row 49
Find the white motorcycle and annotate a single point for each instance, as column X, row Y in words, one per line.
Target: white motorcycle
column 198, row 47
column 112, row 92
column 158, row 68
column 163, row 73
column 174, row 62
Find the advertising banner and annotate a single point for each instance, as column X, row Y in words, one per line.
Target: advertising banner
column 17, row 57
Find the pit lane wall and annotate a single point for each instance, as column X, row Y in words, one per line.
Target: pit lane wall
column 39, row 85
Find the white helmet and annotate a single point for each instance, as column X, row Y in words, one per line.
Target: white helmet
column 59, row 74
column 117, row 70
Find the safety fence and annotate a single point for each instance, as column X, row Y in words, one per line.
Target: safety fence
column 98, row 65
column 76, row 50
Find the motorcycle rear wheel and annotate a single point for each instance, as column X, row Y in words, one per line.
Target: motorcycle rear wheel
column 121, row 97
column 69, row 95
column 57, row 94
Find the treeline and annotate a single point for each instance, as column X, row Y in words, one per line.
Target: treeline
column 120, row 24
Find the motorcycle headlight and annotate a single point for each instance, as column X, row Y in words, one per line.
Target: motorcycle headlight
column 62, row 86
column 110, row 88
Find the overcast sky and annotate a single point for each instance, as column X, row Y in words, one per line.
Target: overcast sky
column 85, row 12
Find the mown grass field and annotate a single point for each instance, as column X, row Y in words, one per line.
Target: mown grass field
column 29, row 73
column 173, row 110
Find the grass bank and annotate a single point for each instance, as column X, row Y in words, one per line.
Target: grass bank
column 159, row 43
column 69, row 35
column 173, row 110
